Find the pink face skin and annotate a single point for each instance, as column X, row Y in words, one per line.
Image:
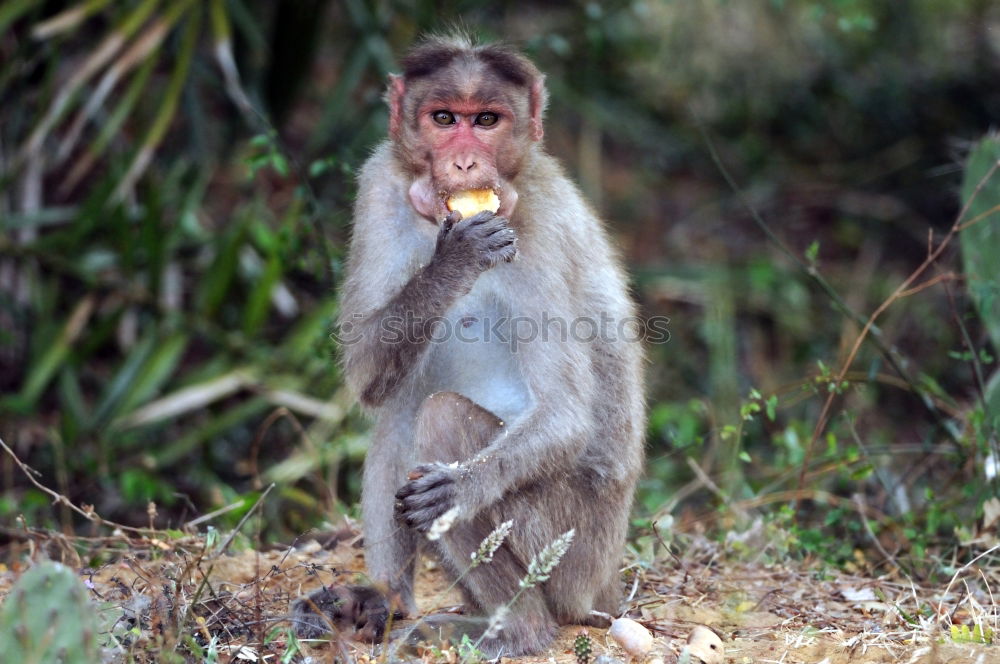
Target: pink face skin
column 465, row 139
column 468, row 143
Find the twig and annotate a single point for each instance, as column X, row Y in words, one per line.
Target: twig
column 933, row 281
column 239, row 526
column 859, row 500
column 87, row 513
column 979, row 217
column 875, row 336
column 959, row 571
column 707, row 481
column 211, row 515
column 933, row 255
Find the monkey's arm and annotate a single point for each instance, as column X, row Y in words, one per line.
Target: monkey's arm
column 543, row 445
column 586, row 393
column 382, row 347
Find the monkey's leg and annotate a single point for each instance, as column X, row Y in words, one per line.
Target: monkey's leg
column 452, row 428
column 390, row 550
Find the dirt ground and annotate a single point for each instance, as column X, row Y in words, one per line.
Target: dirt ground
column 764, row 613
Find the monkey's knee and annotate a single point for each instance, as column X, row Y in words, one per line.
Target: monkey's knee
column 451, row 427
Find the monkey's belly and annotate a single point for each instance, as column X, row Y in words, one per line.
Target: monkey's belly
column 472, row 355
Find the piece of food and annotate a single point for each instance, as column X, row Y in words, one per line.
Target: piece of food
column 473, row 201
column 631, row 636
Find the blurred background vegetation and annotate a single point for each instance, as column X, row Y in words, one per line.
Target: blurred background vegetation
column 176, row 180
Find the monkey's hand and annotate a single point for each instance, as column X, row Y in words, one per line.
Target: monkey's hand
column 484, row 241
column 428, row 495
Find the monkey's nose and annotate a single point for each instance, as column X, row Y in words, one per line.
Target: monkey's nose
column 465, row 164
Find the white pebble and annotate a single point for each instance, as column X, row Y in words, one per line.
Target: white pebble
column 706, row 645
column 631, row 636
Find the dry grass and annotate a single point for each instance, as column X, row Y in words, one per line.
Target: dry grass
column 159, row 596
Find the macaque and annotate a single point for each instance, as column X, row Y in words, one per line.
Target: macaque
column 497, row 353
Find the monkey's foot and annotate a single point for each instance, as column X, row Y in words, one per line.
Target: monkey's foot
column 358, row 611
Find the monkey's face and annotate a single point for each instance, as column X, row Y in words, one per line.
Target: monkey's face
column 462, row 126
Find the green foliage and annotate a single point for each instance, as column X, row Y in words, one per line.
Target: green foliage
column 47, row 617
column 468, row 653
column 165, row 333
column 285, row 634
column 976, row 634
column 980, row 242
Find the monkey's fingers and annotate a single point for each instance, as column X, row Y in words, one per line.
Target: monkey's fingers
column 426, row 482
column 373, row 616
column 500, row 240
column 501, row 230
column 423, row 519
column 450, row 220
column 501, row 248
column 436, row 495
column 483, row 217
column 508, row 253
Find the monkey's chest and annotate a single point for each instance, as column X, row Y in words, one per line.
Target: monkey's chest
column 473, row 353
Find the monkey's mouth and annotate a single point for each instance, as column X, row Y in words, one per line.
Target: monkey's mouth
column 433, row 202
column 470, row 202
column 497, row 199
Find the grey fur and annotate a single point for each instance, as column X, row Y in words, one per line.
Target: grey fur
column 547, row 433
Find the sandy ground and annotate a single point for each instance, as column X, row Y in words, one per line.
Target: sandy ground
column 764, row 613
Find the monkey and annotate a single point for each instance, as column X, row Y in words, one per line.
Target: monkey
column 494, row 354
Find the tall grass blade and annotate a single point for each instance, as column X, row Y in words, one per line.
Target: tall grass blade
column 168, row 106
column 68, row 19
column 223, row 50
column 190, row 398
column 110, row 128
column 96, row 61
column 55, row 356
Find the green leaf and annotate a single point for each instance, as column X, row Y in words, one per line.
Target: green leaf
column 55, row 356
column 168, row 103
column 209, row 430
column 812, row 251
column 156, row 371
column 122, row 382
column 260, row 296
column 980, row 242
column 771, row 405
column 215, row 284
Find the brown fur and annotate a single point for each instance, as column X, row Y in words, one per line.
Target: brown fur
column 547, row 433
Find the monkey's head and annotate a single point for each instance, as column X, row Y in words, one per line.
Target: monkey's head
column 463, row 116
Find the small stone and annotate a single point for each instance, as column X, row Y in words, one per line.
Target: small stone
column 631, row 636
column 706, row 645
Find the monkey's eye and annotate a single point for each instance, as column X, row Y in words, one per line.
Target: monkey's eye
column 487, row 119
column 443, row 117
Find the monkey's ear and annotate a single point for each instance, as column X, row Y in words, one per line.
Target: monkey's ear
column 539, row 100
column 394, row 95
